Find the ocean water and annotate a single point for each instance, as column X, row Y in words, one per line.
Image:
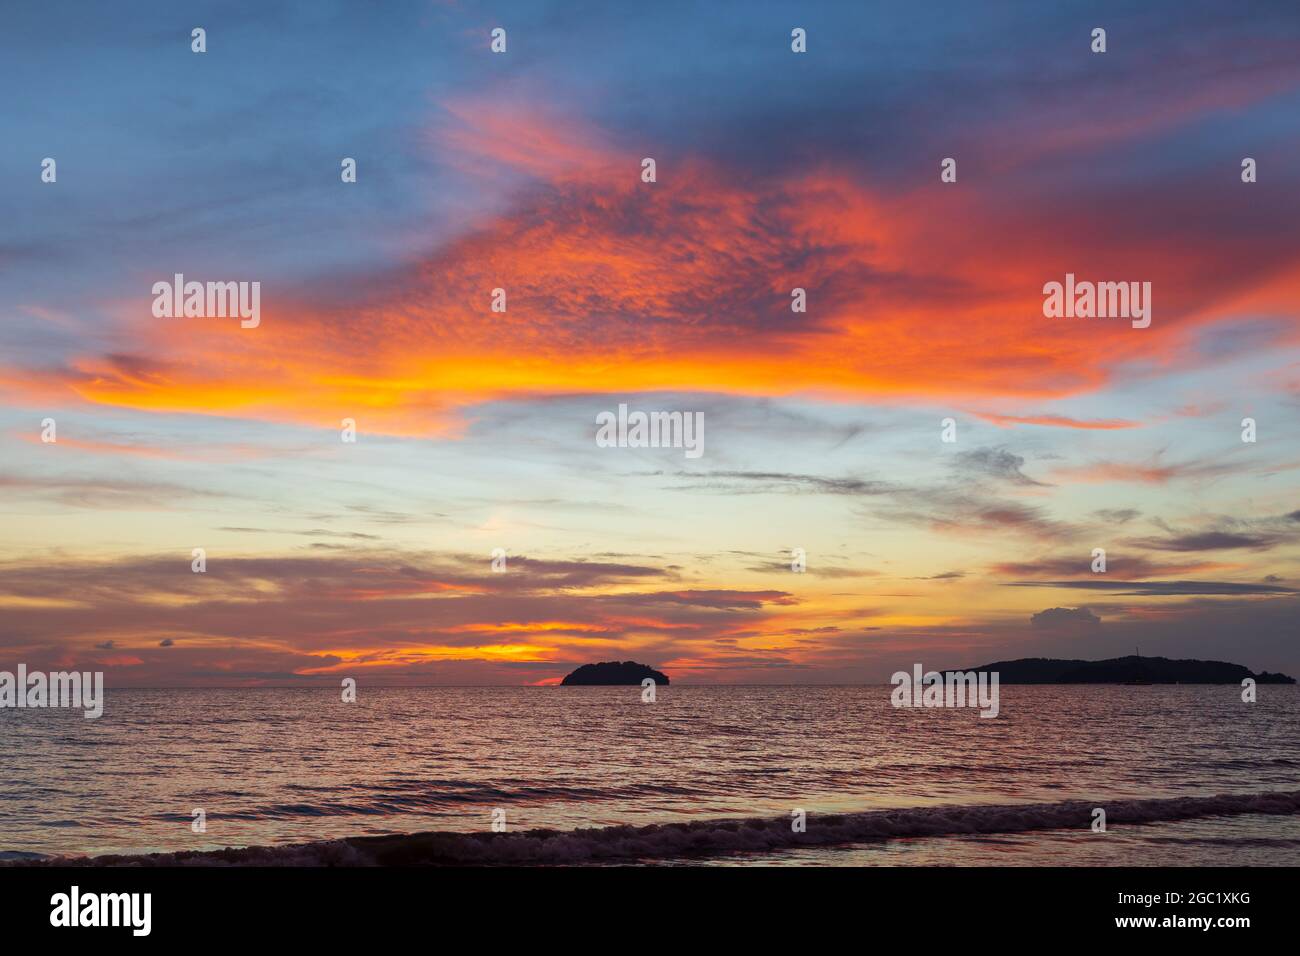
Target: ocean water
column 705, row 774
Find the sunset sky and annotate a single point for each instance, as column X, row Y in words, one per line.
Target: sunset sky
column 476, row 430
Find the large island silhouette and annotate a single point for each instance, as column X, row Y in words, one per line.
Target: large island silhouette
column 613, row 672
column 1132, row 669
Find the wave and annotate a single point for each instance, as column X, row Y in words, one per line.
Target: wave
column 434, row 795
column 628, row 844
column 21, row 856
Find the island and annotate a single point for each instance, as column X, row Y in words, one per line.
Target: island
column 1133, row 669
column 613, row 673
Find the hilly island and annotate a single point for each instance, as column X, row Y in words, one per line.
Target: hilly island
column 613, row 673
column 1126, row 670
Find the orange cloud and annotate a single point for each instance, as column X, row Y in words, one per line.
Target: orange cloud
column 617, row 285
column 110, row 448
column 1152, row 471
column 1056, row 421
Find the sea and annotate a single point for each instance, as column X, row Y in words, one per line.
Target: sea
column 703, row 775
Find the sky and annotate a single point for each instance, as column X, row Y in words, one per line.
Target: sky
column 476, row 429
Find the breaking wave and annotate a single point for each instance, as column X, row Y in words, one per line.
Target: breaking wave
column 628, row 844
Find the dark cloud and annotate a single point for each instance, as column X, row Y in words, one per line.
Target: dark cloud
column 768, row 482
column 968, row 514
column 723, row 599
column 814, row 569
column 1211, row 541
column 996, row 463
column 1117, row 515
column 356, row 573
column 310, row 533
column 386, row 608
column 1154, row 588
column 1057, row 617
column 941, row 508
column 1125, row 566
column 103, row 493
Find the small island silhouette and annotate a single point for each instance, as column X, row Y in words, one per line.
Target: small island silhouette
column 612, row 672
column 1133, row 669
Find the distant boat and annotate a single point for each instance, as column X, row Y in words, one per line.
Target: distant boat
column 1137, row 681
